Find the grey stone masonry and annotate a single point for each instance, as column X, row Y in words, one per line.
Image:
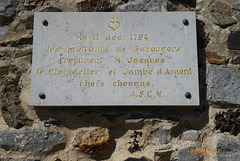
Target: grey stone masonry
column 229, row 150
column 224, row 84
column 33, row 140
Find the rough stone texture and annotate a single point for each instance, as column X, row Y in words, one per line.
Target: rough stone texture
column 32, row 140
column 7, row 9
column 184, row 154
column 224, row 84
column 96, row 141
column 13, row 114
column 222, row 13
column 143, row 5
column 190, row 135
column 3, row 31
column 12, row 111
column 24, row 53
column 236, row 61
column 214, row 58
column 236, row 11
column 93, row 5
column 22, row 159
column 162, row 155
column 234, row 41
column 229, row 150
column 34, row 3
column 164, row 135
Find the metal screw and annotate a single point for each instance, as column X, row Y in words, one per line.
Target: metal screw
column 42, row 95
column 45, row 23
column 188, row 95
column 185, row 22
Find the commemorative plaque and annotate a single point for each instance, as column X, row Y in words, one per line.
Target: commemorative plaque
column 98, row 59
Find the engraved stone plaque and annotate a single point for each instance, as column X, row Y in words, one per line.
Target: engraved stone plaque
column 89, row 59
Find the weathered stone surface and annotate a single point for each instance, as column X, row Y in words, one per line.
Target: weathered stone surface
column 144, row 5
column 222, row 13
column 34, row 3
column 236, row 61
column 234, row 41
column 22, row 159
column 164, row 135
column 214, row 58
column 93, row 5
column 224, row 84
column 236, row 12
column 7, row 9
column 185, row 154
column 134, row 121
column 13, row 114
column 3, row 31
column 32, row 140
column 190, row 135
column 24, row 53
column 162, row 155
column 229, row 150
column 95, row 141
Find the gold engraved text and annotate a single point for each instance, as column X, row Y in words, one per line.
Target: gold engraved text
column 86, row 83
column 146, row 61
column 131, row 84
column 85, row 71
column 138, row 72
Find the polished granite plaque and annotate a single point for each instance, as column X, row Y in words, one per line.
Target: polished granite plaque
column 98, row 59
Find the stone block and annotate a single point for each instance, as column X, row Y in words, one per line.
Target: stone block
column 224, row 84
column 190, row 135
column 3, row 31
column 214, row 58
column 32, row 140
column 234, row 41
column 7, row 10
column 229, row 150
column 164, row 135
column 144, row 5
column 95, row 141
column 222, row 13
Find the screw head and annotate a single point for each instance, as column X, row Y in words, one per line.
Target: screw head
column 185, row 22
column 45, row 23
column 42, row 95
column 188, row 95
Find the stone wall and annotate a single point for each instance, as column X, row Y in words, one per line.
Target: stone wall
column 205, row 133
